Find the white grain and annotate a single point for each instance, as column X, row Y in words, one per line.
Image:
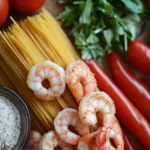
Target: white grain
column 10, row 123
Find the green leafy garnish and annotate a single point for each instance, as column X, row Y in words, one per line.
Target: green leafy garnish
column 135, row 6
column 85, row 17
column 100, row 26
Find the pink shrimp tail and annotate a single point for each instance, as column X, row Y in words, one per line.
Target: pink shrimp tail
column 89, row 137
column 103, row 139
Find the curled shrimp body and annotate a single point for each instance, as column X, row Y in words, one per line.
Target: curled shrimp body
column 80, row 79
column 34, row 140
column 86, row 145
column 91, row 104
column 55, row 76
column 115, row 134
column 62, row 121
column 88, row 142
column 51, row 140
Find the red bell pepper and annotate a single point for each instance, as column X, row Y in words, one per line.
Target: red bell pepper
column 139, row 55
column 145, row 80
column 128, row 83
column 127, row 113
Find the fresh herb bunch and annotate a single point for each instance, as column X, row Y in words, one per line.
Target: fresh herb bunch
column 100, row 26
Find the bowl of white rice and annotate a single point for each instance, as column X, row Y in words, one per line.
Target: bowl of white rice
column 15, row 123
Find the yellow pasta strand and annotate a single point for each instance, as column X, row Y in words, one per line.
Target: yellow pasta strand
column 25, row 44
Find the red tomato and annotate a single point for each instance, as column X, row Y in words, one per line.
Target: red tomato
column 139, row 55
column 26, row 6
column 4, row 9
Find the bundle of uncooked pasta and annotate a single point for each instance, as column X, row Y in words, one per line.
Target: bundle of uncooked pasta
column 25, row 44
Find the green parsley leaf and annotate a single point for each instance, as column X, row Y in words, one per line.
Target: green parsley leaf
column 129, row 26
column 64, row 1
column 92, row 39
column 86, row 54
column 85, row 18
column 135, row 6
column 80, row 40
column 100, row 26
column 106, row 7
column 108, row 35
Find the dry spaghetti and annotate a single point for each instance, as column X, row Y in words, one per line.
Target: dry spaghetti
column 27, row 43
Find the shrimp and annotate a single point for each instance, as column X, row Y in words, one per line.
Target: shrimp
column 101, row 140
column 100, row 103
column 80, row 79
column 88, row 142
column 91, row 104
column 51, row 140
column 55, row 76
column 115, row 134
column 62, row 121
column 34, row 140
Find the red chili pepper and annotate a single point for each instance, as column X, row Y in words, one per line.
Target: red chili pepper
column 139, row 55
column 128, row 83
column 126, row 111
column 128, row 145
column 130, row 141
column 146, row 81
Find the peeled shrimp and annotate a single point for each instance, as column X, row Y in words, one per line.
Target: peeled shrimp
column 55, row 76
column 51, row 140
column 97, row 103
column 115, row 134
column 62, row 121
column 34, row 140
column 93, row 103
column 80, row 79
column 88, row 142
column 100, row 140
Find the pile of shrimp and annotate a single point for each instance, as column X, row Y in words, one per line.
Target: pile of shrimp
column 96, row 126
